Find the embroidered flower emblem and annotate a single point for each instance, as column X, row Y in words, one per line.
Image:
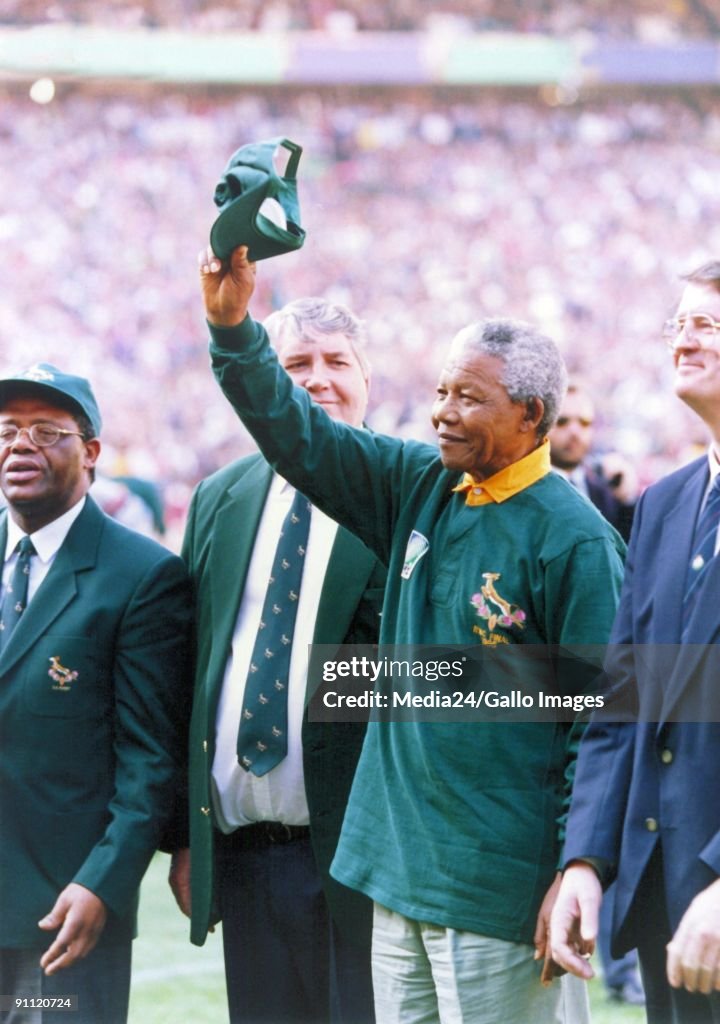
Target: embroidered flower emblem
column 495, row 609
column 480, row 606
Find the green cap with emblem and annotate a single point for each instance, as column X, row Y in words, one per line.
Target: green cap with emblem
column 258, row 207
column 65, row 389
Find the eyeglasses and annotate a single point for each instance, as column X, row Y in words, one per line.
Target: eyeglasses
column 42, row 435
column 699, row 325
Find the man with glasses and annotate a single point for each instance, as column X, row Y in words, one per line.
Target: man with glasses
column 94, row 688
column 645, row 807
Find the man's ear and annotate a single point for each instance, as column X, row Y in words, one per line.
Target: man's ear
column 534, row 412
column 92, row 452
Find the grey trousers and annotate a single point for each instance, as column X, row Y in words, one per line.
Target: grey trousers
column 427, row 974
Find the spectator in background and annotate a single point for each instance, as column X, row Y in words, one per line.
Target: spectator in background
column 611, row 483
column 262, row 835
column 612, row 18
column 492, row 177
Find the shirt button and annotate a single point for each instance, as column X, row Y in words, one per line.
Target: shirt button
column 477, row 490
column 651, row 824
column 667, row 756
column 205, row 746
column 205, row 811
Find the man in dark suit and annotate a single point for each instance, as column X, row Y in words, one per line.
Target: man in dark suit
column 94, row 687
column 611, row 486
column 644, row 806
column 296, row 943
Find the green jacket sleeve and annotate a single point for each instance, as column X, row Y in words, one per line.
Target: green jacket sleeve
column 151, row 685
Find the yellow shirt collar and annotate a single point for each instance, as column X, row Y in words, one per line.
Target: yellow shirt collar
column 509, row 481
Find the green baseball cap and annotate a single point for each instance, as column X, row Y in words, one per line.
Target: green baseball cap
column 67, row 390
column 248, row 181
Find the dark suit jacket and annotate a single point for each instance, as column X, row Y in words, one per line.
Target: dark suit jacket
column 617, row 513
column 89, row 767
column 222, row 523
column 657, row 780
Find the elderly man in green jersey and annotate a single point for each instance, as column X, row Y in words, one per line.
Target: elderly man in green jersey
column 451, row 827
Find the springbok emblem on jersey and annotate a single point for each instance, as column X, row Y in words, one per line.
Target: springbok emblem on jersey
column 494, row 608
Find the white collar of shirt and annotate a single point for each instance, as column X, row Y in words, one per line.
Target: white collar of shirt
column 48, row 540
column 714, row 463
column 280, row 486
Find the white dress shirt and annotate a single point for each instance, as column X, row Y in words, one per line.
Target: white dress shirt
column 714, row 464
column 47, row 541
column 239, row 797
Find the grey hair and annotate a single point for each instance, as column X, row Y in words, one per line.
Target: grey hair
column 532, row 364
column 303, row 318
column 708, row 274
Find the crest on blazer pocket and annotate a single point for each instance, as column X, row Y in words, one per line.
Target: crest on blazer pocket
column 64, row 677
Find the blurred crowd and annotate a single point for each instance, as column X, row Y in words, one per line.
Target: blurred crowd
column 643, row 19
column 424, row 210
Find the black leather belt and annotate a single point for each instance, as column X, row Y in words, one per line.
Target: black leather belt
column 263, row 833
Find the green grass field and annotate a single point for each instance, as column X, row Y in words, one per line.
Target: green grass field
column 175, row 982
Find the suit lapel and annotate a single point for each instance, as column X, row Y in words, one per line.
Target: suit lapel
column 676, row 545
column 349, row 569
column 704, row 622
column 77, row 553
column 347, row 575
column 233, row 537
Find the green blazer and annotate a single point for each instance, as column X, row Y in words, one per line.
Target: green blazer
column 90, row 762
column 222, row 523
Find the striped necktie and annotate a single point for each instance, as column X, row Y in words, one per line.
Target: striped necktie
column 14, row 599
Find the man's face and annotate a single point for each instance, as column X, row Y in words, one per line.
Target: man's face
column 40, row 484
column 479, row 429
column 571, row 437
column 697, row 370
column 327, row 367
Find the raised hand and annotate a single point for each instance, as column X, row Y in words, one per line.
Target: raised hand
column 227, row 286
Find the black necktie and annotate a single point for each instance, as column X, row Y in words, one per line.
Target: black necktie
column 15, row 596
column 703, row 547
column 262, row 736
